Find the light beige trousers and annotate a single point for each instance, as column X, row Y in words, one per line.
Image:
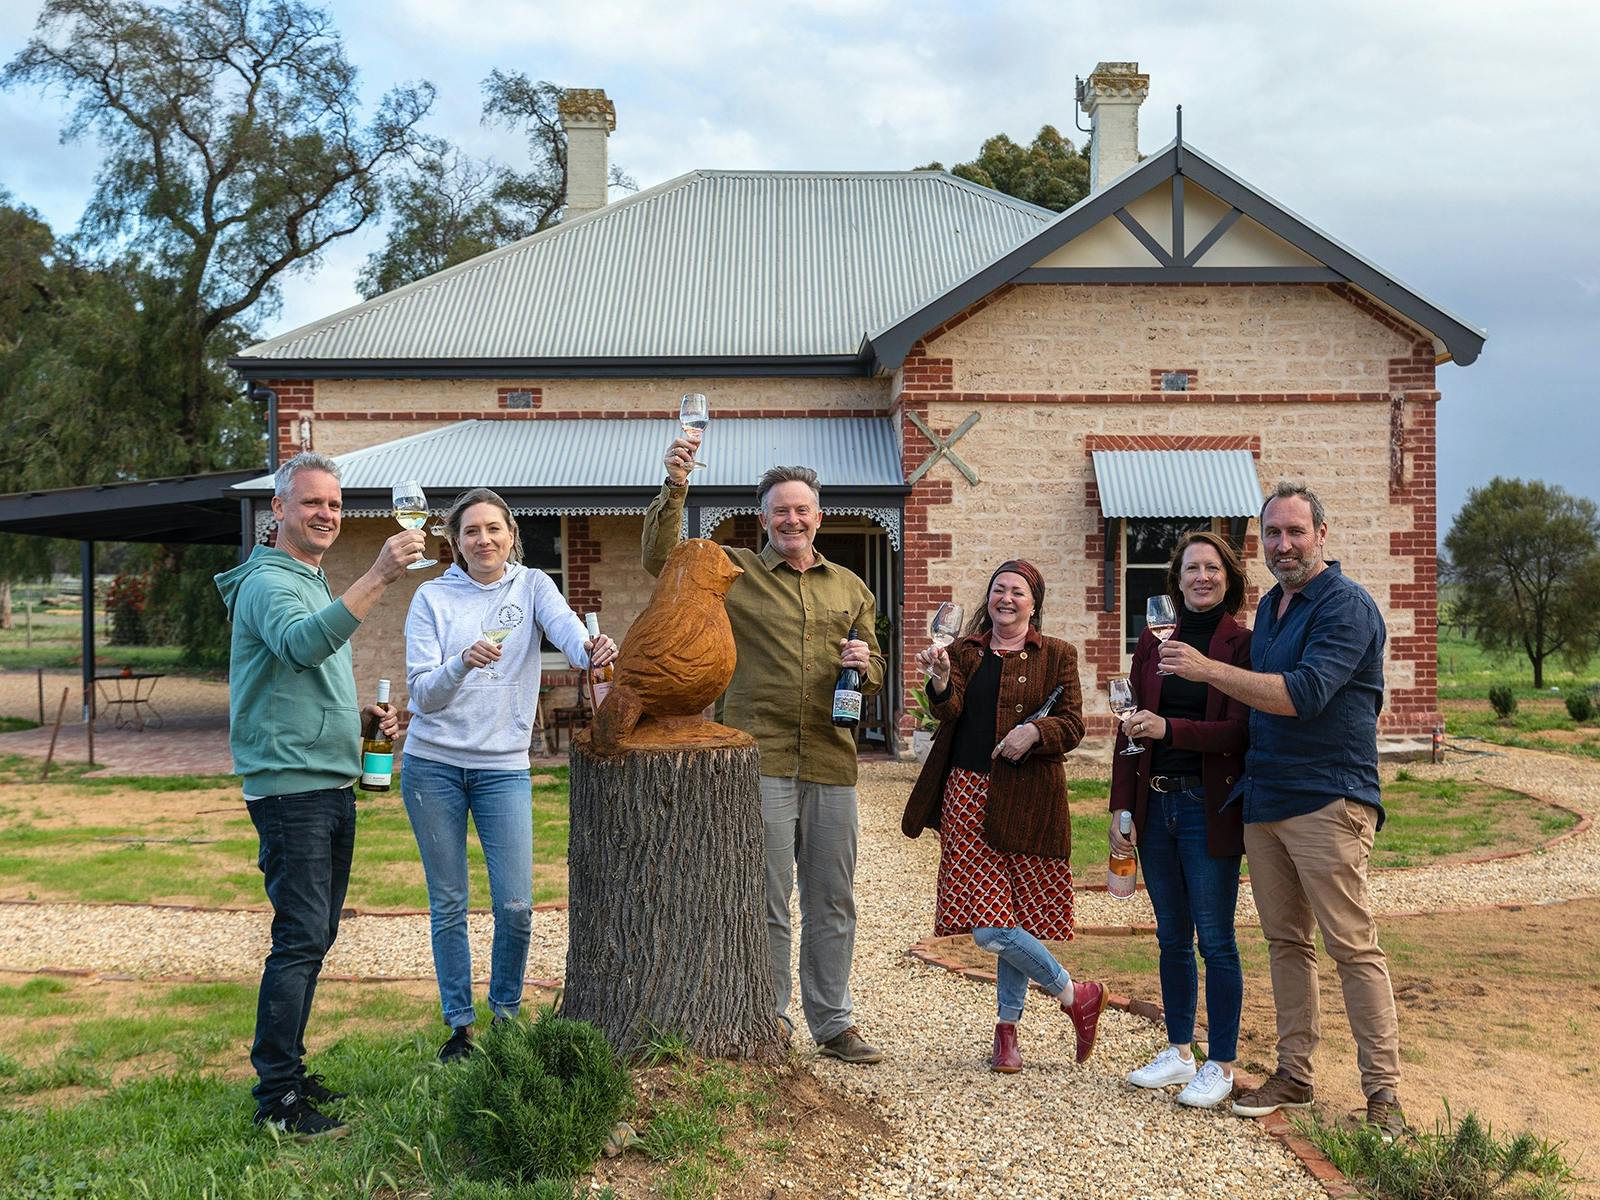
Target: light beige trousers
column 1308, row 873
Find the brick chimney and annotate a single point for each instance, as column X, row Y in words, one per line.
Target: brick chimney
column 1111, row 97
column 587, row 118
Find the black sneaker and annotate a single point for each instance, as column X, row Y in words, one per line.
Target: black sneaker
column 293, row 1115
column 459, row 1045
column 320, row 1093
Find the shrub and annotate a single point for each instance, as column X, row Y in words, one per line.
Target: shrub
column 125, row 601
column 185, row 608
column 1580, row 707
column 537, row 1100
column 1503, row 699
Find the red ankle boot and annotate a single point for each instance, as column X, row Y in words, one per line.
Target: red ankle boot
column 1006, row 1059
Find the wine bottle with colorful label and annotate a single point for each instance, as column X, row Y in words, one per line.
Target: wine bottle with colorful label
column 377, row 749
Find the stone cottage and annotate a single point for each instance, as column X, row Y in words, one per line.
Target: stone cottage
column 973, row 377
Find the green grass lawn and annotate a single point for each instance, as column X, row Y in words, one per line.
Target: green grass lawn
column 190, row 840
column 1427, row 821
column 148, row 1096
column 1467, row 671
column 1541, row 722
column 55, row 643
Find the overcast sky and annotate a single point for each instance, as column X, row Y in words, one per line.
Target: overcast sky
column 1454, row 144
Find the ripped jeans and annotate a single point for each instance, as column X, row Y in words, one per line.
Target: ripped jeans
column 1021, row 957
column 438, row 798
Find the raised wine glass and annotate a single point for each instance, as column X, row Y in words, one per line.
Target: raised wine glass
column 1161, row 619
column 1120, row 691
column 945, row 626
column 411, row 511
column 694, row 416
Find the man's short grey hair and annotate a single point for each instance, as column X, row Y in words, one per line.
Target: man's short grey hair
column 779, row 475
column 1288, row 488
column 306, row 460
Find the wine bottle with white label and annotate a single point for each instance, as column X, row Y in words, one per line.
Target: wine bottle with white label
column 847, row 693
column 377, row 749
column 599, row 677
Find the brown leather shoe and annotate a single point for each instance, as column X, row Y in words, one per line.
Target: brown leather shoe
column 1007, row 1059
column 851, row 1047
column 1279, row 1091
column 1088, row 1002
column 1384, row 1115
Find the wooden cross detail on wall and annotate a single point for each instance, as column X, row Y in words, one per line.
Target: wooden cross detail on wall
column 941, row 447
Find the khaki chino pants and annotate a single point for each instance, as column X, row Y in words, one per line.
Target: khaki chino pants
column 1310, row 872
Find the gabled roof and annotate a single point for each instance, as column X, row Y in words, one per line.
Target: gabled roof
column 889, row 344
column 784, row 267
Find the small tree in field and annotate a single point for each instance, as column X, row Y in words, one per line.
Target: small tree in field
column 1526, row 557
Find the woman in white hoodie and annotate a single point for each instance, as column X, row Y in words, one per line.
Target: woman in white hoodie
column 472, row 664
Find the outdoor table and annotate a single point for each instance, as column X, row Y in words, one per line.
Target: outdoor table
column 127, row 698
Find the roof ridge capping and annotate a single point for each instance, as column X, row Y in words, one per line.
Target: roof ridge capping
column 889, row 345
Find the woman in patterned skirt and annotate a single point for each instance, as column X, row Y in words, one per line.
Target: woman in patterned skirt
column 994, row 788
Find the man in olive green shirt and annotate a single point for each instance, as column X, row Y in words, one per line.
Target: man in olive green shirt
column 791, row 612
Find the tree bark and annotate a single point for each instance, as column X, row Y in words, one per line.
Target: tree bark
column 5, row 604
column 667, row 894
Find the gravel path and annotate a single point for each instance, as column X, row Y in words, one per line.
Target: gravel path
column 1056, row 1128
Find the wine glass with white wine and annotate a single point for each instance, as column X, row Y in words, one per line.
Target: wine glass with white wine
column 1120, row 691
column 411, row 511
column 694, row 416
column 1161, row 619
column 496, row 626
column 945, row 626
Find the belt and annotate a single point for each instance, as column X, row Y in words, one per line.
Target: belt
column 1174, row 783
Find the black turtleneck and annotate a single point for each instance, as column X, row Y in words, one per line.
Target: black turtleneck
column 1183, row 698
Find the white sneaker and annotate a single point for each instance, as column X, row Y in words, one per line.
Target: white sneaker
column 1166, row 1068
column 1208, row 1089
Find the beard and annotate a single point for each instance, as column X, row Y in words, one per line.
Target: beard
column 1297, row 575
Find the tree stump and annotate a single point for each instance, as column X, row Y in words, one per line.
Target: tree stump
column 667, row 892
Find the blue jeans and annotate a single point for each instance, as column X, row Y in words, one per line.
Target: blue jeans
column 1194, row 896
column 1021, row 957
column 307, row 840
column 438, row 798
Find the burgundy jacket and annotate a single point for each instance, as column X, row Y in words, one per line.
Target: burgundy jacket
column 1221, row 740
column 1027, row 809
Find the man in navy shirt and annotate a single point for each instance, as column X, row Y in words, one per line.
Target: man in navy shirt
column 1311, row 801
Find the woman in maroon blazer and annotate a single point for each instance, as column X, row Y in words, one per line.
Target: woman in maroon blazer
column 994, row 788
column 1189, row 843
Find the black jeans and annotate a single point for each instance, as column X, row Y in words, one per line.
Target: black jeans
column 307, row 840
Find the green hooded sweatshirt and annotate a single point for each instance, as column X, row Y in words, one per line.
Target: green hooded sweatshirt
column 294, row 723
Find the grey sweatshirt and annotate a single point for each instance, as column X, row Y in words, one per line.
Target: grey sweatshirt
column 460, row 714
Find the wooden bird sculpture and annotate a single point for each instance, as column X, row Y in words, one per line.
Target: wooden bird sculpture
column 678, row 656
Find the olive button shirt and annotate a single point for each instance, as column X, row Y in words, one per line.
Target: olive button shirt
column 787, row 626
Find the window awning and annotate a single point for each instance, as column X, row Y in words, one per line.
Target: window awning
column 1177, row 483
column 579, row 455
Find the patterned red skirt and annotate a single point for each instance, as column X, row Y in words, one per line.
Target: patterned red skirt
column 981, row 886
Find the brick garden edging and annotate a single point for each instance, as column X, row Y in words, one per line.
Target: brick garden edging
column 1316, row 1163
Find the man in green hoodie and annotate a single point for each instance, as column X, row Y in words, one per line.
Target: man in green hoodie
column 295, row 730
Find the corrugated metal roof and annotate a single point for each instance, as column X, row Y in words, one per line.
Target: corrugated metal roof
column 521, row 455
column 713, row 263
column 1177, row 483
